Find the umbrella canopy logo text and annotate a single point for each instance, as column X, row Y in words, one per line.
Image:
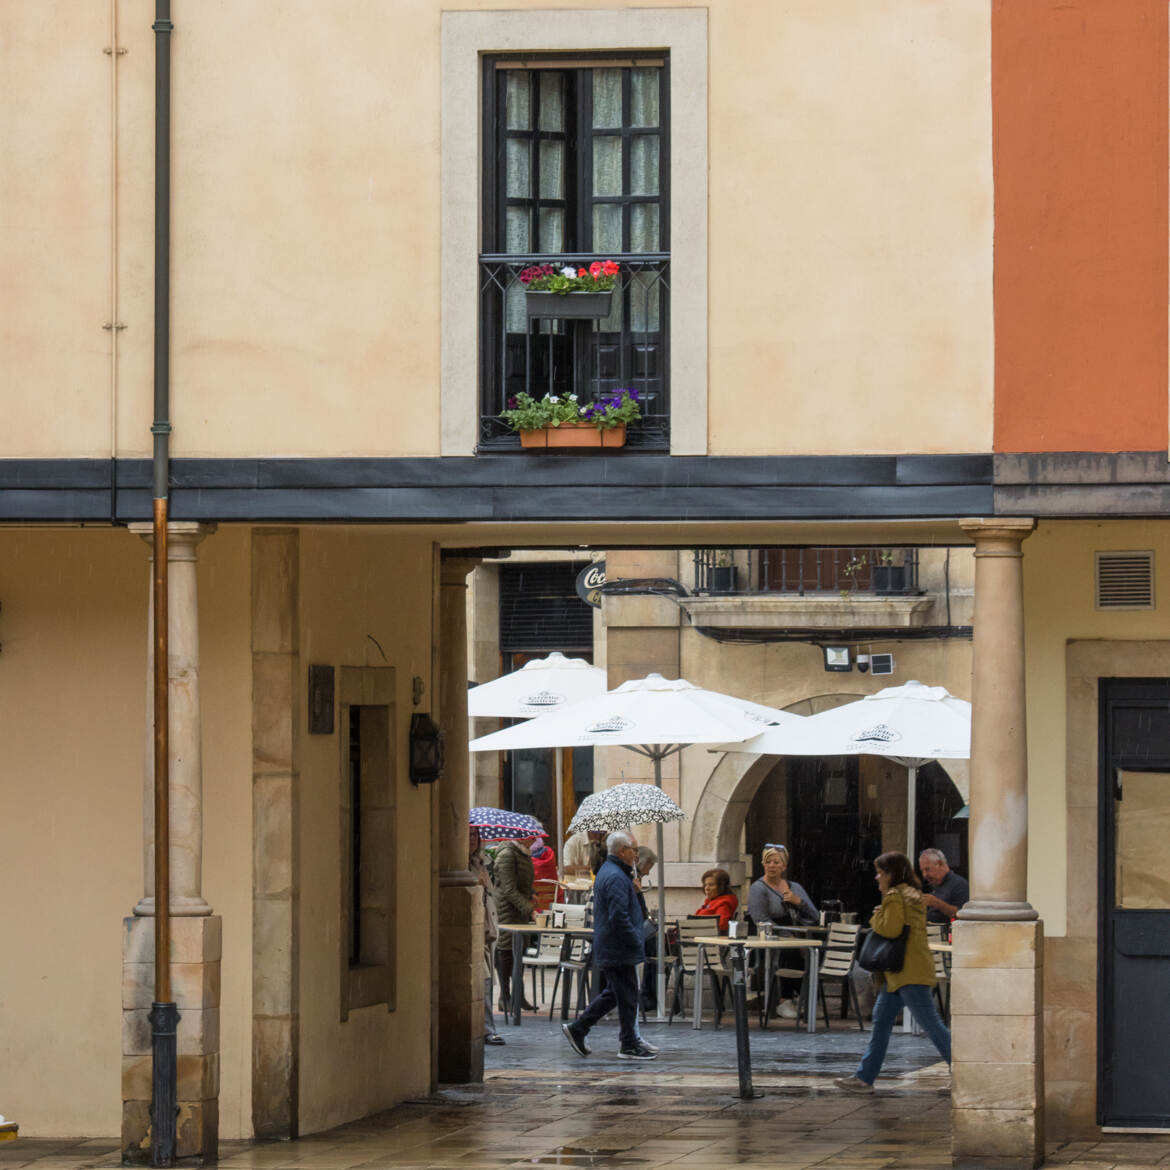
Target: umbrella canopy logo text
column 613, row 723
column 543, row 699
column 878, row 733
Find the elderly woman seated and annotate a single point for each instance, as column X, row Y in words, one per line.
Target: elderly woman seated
column 720, row 901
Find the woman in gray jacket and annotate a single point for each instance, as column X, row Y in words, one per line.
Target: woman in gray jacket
column 776, row 901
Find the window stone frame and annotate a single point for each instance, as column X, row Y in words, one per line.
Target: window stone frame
column 466, row 36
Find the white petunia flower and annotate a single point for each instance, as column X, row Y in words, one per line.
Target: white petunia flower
column 572, row 397
column 568, row 271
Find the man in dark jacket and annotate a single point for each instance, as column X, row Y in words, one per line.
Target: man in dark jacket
column 617, row 951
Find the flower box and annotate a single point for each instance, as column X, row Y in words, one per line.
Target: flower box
column 575, row 434
column 574, row 305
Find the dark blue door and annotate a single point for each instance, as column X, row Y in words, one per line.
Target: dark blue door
column 1134, row 968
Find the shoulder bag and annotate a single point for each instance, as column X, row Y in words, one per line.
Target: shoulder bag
column 879, row 953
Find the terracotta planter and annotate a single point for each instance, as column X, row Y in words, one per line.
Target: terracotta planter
column 580, row 434
column 561, row 306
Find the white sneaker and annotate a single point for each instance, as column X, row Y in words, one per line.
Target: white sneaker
column 787, row 1010
column 647, row 1045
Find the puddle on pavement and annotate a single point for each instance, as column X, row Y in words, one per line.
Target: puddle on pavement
column 578, row 1156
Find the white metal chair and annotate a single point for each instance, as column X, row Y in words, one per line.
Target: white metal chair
column 545, row 956
column 942, row 970
column 837, row 958
column 686, row 955
column 574, row 915
column 573, row 967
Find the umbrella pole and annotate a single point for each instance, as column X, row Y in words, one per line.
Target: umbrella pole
column 560, row 766
column 911, row 809
column 661, row 1013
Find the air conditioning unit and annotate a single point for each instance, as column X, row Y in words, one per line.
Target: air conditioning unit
column 881, row 663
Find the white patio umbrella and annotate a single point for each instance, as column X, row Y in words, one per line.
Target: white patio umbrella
column 911, row 725
column 654, row 717
column 539, row 686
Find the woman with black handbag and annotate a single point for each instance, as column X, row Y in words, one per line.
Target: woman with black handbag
column 898, row 953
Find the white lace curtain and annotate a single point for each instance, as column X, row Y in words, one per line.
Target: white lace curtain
column 607, row 160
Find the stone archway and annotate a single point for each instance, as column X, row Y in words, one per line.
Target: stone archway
column 722, row 806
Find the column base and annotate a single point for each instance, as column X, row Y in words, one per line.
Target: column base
column 461, row 980
column 196, row 947
column 997, row 1021
column 999, row 912
column 181, row 907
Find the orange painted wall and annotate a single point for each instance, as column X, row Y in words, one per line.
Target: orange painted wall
column 1079, row 92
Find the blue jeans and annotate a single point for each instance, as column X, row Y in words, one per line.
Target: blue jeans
column 621, row 990
column 916, row 997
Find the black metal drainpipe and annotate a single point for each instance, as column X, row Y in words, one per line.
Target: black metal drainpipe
column 164, row 1016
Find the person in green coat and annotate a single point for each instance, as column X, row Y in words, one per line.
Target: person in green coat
column 514, row 904
column 901, row 906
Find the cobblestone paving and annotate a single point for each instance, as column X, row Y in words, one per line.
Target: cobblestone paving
column 542, row 1106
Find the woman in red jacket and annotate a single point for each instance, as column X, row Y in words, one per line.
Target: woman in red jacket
column 721, row 902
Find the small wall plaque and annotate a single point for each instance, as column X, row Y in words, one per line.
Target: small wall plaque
column 320, row 700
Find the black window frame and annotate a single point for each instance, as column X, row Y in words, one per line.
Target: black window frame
column 634, row 362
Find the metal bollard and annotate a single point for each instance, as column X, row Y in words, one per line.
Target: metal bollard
column 743, row 1051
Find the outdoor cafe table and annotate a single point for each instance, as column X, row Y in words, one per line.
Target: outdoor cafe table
column 528, row 928
column 770, row 947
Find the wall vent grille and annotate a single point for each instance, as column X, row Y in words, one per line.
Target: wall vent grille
column 1125, row 580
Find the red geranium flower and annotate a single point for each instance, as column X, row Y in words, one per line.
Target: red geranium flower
column 595, row 269
column 610, row 268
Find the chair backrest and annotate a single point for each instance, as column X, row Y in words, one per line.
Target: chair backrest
column 839, row 949
column 550, row 947
column 934, row 934
column 574, row 914
column 579, row 948
column 695, row 926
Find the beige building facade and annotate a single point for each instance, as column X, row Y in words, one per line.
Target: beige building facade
column 822, row 367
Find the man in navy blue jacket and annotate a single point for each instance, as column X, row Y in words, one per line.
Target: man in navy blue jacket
column 617, row 950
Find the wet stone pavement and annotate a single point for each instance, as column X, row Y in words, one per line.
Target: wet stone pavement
column 541, row 1105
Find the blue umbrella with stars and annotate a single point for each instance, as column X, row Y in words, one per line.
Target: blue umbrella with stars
column 497, row 824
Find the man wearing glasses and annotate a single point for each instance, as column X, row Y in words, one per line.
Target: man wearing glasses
column 617, row 949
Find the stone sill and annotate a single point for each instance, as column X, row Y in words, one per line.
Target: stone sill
column 780, row 611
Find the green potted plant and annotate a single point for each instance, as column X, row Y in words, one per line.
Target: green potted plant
column 851, row 570
column 561, row 421
column 569, row 292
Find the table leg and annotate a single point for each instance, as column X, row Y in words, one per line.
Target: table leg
column 697, row 998
column 814, row 975
column 517, row 978
column 769, row 956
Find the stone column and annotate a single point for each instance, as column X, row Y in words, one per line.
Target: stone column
column 460, row 937
column 997, row 1001
column 196, row 934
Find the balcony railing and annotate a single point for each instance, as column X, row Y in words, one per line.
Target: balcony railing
column 803, row 571
column 627, row 349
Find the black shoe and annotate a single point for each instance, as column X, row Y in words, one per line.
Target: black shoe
column 503, row 1007
column 494, row 1038
column 640, row 1051
column 525, row 1006
column 576, row 1042
column 653, row 1049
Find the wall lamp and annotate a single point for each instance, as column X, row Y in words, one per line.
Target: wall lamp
column 837, row 658
column 426, row 749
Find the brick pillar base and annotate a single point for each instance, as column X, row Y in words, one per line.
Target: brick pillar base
column 461, row 978
column 997, row 1029
column 196, row 945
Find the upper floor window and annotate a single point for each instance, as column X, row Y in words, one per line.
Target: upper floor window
column 575, row 169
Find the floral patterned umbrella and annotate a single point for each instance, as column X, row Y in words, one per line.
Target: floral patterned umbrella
column 624, row 805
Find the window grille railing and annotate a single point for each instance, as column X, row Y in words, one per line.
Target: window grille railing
column 538, row 356
column 801, row 571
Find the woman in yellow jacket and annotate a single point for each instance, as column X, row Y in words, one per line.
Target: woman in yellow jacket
column 901, row 906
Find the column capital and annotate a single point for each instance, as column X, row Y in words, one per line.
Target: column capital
column 1008, row 533
column 182, row 536
column 453, row 571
